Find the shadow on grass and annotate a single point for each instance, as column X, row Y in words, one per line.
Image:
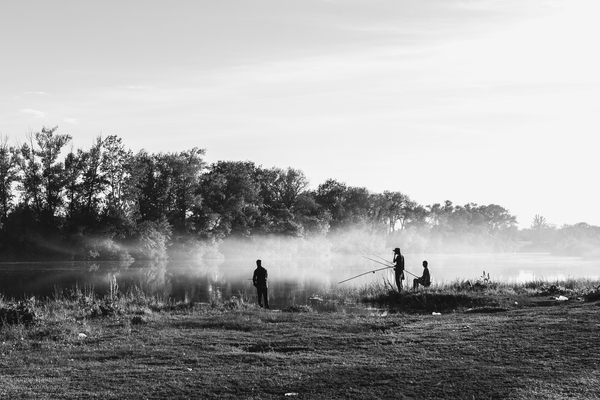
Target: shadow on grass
column 595, row 296
column 219, row 324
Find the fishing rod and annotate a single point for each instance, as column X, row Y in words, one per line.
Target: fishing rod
column 378, row 262
column 380, row 257
column 365, row 273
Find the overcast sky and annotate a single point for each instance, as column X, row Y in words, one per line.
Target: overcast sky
column 482, row 101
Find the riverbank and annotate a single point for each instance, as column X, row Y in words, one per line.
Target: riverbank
column 134, row 347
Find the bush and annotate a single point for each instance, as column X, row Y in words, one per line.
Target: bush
column 153, row 237
column 100, row 248
column 19, row 313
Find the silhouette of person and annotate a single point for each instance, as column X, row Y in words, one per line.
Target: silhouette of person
column 398, row 268
column 424, row 280
column 259, row 280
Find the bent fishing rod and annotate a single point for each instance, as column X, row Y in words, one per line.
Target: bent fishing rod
column 378, row 262
column 381, row 258
column 373, row 271
column 365, row 273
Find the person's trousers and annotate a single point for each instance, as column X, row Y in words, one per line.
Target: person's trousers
column 399, row 279
column 263, row 297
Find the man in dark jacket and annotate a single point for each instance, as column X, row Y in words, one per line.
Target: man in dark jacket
column 398, row 268
column 259, row 280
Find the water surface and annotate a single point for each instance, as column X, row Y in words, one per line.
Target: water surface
column 291, row 281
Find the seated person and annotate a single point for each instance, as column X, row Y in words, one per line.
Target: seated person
column 425, row 280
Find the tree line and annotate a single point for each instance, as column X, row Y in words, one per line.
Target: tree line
column 580, row 239
column 109, row 203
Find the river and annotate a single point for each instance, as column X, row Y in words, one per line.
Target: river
column 291, row 281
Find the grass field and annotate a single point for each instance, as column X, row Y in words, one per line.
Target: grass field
column 490, row 342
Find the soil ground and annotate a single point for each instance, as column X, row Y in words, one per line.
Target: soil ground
column 549, row 351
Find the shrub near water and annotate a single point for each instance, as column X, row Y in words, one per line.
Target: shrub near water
column 435, row 298
column 17, row 313
column 430, row 301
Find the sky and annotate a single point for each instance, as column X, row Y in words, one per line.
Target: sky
column 472, row 101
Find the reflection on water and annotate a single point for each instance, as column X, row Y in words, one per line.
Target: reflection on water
column 291, row 281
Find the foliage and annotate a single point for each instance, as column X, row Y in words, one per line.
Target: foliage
column 152, row 239
column 9, row 161
column 107, row 203
column 99, row 247
column 17, row 313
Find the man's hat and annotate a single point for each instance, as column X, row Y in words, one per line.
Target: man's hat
column 397, row 250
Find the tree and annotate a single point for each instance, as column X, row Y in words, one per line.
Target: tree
column 189, row 166
column 93, row 182
column 290, row 185
column 73, row 192
column 43, row 175
column 168, row 186
column 497, row 217
column 152, row 238
column 231, row 201
column 177, row 176
column 9, row 175
column 314, row 219
column 115, row 166
column 145, row 187
column 280, row 191
column 331, row 195
column 539, row 223
column 395, row 208
column 415, row 215
column 357, row 205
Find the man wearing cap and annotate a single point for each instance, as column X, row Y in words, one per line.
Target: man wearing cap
column 398, row 267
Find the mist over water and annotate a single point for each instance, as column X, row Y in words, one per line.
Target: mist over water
column 297, row 267
column 504, row 267
column 347, row 253
column 292, row 279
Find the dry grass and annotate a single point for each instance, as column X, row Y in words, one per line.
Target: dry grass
column 148, row 349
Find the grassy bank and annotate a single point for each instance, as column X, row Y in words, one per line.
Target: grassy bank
column 466, row 295
column 519, row 342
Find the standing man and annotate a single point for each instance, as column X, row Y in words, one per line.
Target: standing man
column 259, row 280
column 398, row 268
